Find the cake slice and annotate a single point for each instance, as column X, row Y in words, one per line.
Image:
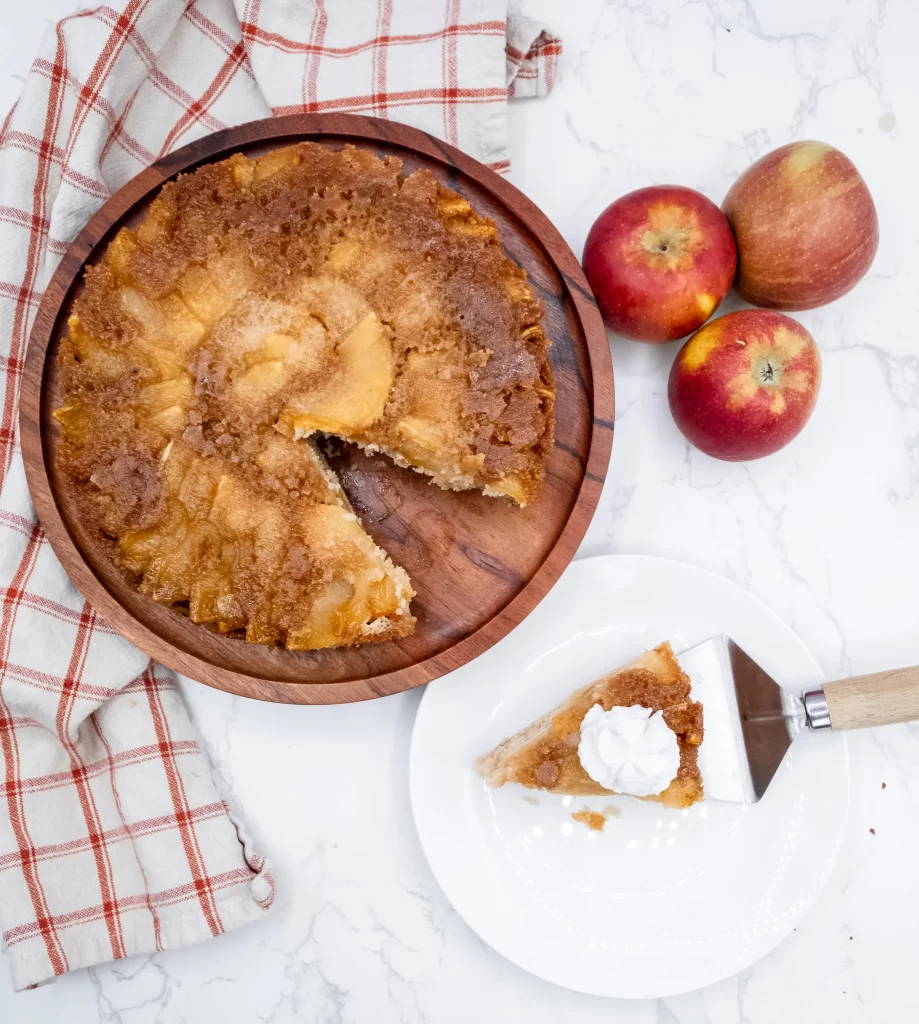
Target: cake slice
column 545, row 755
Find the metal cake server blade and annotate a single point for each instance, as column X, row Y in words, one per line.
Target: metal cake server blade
column 749, row 720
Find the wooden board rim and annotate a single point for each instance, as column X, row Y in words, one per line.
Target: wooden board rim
column 288, row 129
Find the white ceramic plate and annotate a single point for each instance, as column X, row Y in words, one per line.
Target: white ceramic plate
column 661, row 901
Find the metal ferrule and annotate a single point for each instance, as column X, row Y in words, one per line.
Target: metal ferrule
column 818, row 714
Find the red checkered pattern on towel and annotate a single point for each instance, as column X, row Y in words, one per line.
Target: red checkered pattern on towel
column 113, row 839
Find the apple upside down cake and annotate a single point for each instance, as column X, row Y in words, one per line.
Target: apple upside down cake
column 260, row 305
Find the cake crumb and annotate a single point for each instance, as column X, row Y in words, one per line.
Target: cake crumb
column 883, row 785
column 592, row 819
column 534, row 800
column 871, row 830
column 612, row 811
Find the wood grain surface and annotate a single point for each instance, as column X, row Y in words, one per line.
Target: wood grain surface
column 479, row 565
column 883, row 698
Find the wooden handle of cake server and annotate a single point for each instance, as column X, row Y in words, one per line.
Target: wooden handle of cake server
column 881, row 698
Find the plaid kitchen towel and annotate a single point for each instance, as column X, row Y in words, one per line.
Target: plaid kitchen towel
column 113, row 838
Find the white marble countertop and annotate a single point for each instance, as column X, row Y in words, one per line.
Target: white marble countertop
column 826, row 532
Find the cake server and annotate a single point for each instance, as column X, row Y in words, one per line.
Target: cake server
column 751, row 721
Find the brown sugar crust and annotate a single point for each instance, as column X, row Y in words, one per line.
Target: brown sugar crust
column 261, row 302
column 544, row 755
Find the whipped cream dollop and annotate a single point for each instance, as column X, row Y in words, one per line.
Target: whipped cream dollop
column 629, row 750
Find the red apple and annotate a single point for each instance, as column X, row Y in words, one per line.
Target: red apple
column 745, row 385
column 805, row 225
column 659, row 261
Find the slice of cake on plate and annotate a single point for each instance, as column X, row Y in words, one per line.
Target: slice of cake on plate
column 633, row 732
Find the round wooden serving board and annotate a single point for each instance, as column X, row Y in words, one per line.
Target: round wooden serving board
column 479, row 565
